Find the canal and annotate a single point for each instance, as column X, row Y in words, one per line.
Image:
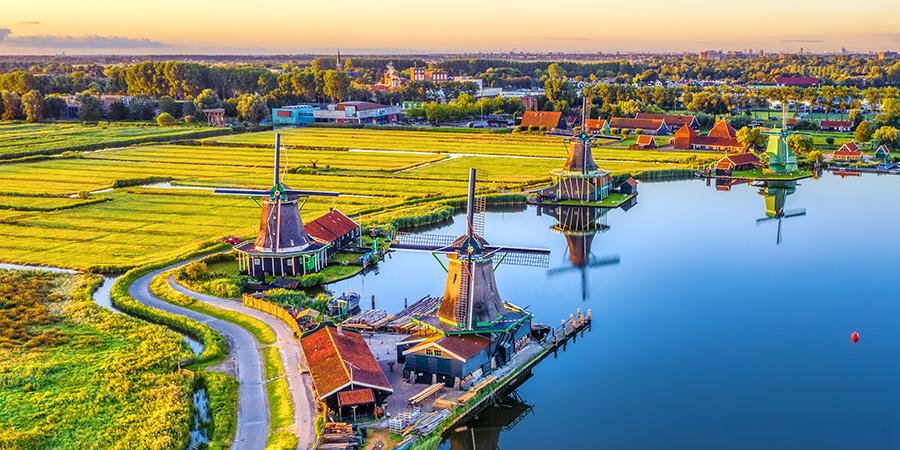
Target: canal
column 707, row 333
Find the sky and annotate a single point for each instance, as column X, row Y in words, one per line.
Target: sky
column 420, row 26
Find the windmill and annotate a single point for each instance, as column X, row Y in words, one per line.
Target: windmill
column 781, row 158
column 281, row 235
column 471, row 301
column 580, row 179
column 775, row 193
column 580, row 225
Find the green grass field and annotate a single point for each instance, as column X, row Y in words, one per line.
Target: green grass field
column 75, row 373
column 23, row 139
column 132, row 226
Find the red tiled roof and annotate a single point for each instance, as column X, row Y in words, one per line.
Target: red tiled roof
column 742, row 158
column 884, row 148
column 332, row 357
column 836, row 123
column 645, row 124
column 850, row 146
column 631, row 181
column 645, row 140
column 356, row 397
column 672, row 120
column 330, row 226
column 686, row 131
column 464, row 346
column 594, row 124
column 796, row 80
column 847, row 153
column 549, row 119
column 723, row 130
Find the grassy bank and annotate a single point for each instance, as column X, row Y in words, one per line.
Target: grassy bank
column 73, row 372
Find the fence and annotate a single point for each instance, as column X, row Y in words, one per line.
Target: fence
column 274, row 310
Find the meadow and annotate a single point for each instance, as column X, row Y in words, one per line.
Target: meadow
column 73, row 372
column 125, row 219
column 26, row 139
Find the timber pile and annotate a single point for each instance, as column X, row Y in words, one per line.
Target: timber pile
column 402, row 322
column 440, row 403
column 338, row 436
column 425, row 393
column 474, row 391
column 366, row 319
column 426, row 423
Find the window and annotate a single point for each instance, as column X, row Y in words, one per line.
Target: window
column 256, row 261
column 438, row 353
column 290, row 262
column 429, row 352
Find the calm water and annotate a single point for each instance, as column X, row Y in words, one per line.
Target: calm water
column 707, row 334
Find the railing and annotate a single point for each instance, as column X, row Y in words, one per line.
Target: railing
column 274, row 310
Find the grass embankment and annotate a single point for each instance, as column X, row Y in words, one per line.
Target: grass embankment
column 272, row 358
column 222, row 392
column 75, row 374
column 26, row 139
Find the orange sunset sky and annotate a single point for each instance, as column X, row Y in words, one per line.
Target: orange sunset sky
column 400, row 26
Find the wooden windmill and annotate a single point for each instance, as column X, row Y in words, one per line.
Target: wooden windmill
column 281, row 237
column 471, row 300
column 775, row 193
column 781, row 158
column 580, row 225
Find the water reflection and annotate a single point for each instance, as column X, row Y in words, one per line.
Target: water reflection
column 579, row 224
column 775, row 193
column 483, row 433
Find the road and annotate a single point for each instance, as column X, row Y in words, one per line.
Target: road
column 291, row 358
column 253, row 410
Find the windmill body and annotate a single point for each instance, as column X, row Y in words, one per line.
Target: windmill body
column 282, row 247
column 781, row 158
column 472, row 329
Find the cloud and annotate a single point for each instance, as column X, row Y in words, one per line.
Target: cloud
column 29, row 22
column 7, row 39
column 804, row 41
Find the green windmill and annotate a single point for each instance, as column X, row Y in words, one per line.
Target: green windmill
column 781, row 158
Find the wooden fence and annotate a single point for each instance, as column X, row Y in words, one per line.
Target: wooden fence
column 274, row 310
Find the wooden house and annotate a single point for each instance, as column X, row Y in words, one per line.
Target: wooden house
column 449, row 359
column 628, row 187
column 673, row 121
column 718, row 139
column 836, row 125
column 648, row 126
column 644, row 142
column 740, row 162
column 597, row 126
column 548, row 119
column 848, row 152
column 882, row 153
column 333, row 229
column 339, row 361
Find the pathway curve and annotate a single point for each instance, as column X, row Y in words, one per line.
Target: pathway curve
column 288, row 347
column 253, row 411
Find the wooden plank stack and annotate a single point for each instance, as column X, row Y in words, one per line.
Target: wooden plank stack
column 425, row 393
column 427, row 423
column 338, row 436
column 441, row 403
column 366, row 319
column 402, row 322
column 474, row 391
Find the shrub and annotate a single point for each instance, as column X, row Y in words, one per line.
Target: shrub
column 638, row 132
column 165, row 120
column 190, row 119
column 532, row 128
column 829, row 140
column 614, row 131
column 542, row 128
column 626, row 132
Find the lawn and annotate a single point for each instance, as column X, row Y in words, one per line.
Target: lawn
column 613, row 201
column 282, row 412
column 75, row 373
column 25, row 139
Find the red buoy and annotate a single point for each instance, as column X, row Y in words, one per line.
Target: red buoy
column 854, row 337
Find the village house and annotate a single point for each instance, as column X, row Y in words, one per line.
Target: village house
column 596, row 126
column 644, row 142
column 803, row 82
column 548, row 119
column 628, row 187
column 740, row 162
column 882, row 153
column 836, row 125
column 333, row 229
column 648, row 126
column 720, row 138
column 673, row 121
column 848, row 152
column 343, row 369
column 358, row 113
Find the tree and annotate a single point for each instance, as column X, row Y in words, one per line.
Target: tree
column 208, row 99
column 857, row 117
column 799, row 144
column 165, row 120
column 12, row 106
column 169, row 105
column 750, row 138
column 337, row 84
column 54, row 107
column 33, row 104
column 117, row 111
column 863, row 132
column 815, row 157
column 252, row 108
column 555, row 72
column 91, row 108
column 886, row 136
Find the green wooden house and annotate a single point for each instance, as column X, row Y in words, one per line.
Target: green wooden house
column 882, row 153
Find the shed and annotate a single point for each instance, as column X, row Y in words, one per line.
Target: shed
column 645, row 142
column 883, row 152
column 739, row 162
column 628, row 187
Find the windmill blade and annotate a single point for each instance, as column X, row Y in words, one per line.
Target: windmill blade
column 778, row 237
column 795, row 213
column 244, row 192
column 520, row 256
column 319, row 193
column 608, row 261
column 561, row 270
column 765, row 219
column 422, row 242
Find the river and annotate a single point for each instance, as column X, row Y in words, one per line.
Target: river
column 708, row 333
